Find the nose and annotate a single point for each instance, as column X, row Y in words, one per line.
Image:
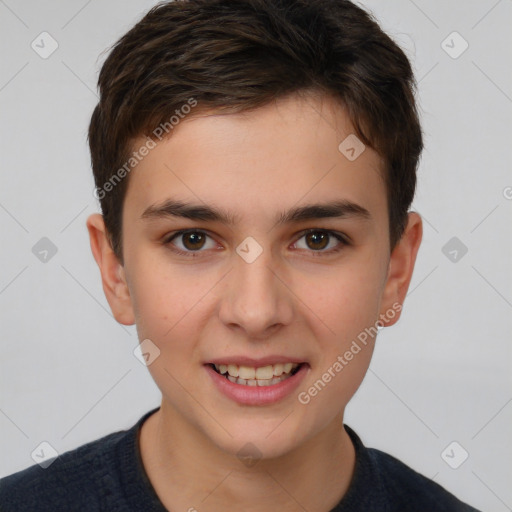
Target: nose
column 255, row 298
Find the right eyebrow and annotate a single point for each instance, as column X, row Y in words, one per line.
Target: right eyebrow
column 174, row 208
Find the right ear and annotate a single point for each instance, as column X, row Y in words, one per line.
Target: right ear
column 112, row 271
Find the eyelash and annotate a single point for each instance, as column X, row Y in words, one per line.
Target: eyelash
column 194, row 254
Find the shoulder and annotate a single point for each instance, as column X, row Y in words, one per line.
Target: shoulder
column 382, row 482
column 76, row 480
column 410, row 490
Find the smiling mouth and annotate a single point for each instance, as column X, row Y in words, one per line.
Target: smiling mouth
column 261, row 376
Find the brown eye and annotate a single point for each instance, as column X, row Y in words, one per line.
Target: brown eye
column 193, row 241
column 317, row 240
column 190, row 242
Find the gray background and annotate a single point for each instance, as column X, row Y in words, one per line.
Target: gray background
column 442, row 374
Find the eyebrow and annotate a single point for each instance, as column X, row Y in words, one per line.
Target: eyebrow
column 203, row 212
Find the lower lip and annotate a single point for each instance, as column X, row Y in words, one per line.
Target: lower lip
column 257, row 395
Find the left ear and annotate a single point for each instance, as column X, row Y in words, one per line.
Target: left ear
column 401, row 266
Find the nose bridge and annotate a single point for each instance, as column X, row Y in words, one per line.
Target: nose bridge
column 256, row 300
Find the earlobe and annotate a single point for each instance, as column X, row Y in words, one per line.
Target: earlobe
column 112, row 271
column 401, row 266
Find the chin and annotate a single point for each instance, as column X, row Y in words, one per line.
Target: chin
column 260, row 439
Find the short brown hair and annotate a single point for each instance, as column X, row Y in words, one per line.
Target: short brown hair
column 242, row 54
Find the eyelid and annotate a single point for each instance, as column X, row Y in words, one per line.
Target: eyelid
column 171, row 236
column 342, row 237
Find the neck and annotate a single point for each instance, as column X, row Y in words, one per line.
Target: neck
column 189, row 472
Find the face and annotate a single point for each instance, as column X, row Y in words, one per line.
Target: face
column 250, row 241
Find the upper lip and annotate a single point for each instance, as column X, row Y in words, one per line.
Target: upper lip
column 255, row 363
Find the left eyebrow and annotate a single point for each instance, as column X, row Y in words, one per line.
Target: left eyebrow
column 333, row 209
column 204, row 212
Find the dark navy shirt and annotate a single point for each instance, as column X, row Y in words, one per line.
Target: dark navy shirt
column 108, row 475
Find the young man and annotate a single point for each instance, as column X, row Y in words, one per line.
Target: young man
column 255, row 162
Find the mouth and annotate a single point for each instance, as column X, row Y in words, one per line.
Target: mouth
column 262, row 376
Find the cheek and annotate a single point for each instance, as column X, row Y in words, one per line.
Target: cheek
column 332, row 389
column 164, row 299
column 344, row 303
column 349, row 307
column 167, row 304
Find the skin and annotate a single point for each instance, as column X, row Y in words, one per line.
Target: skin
column 292, row 300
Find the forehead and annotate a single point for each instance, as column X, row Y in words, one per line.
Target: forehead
column 297, row 148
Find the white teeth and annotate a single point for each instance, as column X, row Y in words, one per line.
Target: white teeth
column 245, row 372
column 233, row 370
column 278, row 369
column 261, row 376
column 264, row 372
column 265, row 382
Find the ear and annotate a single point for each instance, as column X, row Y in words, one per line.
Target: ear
column 401, row 266
column 112, row 272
